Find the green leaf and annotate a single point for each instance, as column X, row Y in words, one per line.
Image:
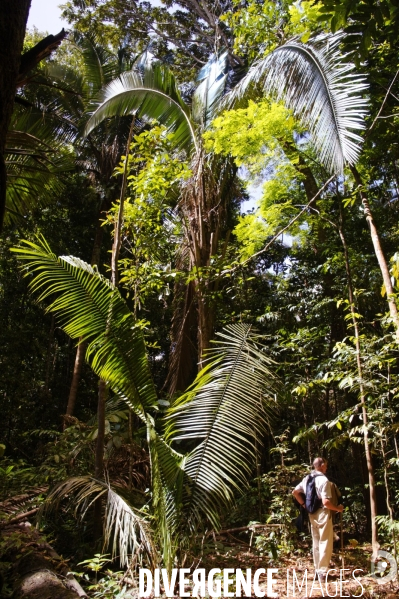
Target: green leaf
column 227, row 409
column 90, row 308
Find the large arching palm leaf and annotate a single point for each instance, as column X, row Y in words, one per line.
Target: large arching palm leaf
column 227, row 408
column 91, row 309
column 152, row 95
column 321, row 87
column 126, row 530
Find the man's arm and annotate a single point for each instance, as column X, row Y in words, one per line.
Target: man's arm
column 336, row 508
column 299, row 497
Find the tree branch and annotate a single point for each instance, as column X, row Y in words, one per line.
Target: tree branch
column 42, row 50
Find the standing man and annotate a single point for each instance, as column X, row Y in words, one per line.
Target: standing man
column 321, row 520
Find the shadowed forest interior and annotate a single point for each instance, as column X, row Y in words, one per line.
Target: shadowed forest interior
column 199, row 273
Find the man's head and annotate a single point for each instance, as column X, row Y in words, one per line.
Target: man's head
column 320, row 464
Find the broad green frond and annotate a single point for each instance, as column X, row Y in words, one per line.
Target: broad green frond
column 89, row 307
column 227, row 409
column 321, row 87
column 153, row 95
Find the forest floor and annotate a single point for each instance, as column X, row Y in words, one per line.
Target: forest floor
column 238, row 548
column 340, row 583
column 356, row 561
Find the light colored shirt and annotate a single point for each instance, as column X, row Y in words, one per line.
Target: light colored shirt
column 323, row 485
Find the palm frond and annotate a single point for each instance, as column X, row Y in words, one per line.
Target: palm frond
column 91, row 308
column 99, row 63
column 227, row 408
column 33, row 174
column 126, row 531
column 212, row 81
column 153, row 95
column 167, row 475
column 321, row 87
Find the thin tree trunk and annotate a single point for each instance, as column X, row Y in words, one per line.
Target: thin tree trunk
column 48, row 360
column 102, row 385
column 130, row 449
column 369, row 459
column 14, row 16
column 77, row 370
column 390, row 410
column 99, row 459
column 81, row 349
column 116, row 246
column 95, row 258
column 378, row 251
column 389, row 506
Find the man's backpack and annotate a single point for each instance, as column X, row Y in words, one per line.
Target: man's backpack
column 312, row 501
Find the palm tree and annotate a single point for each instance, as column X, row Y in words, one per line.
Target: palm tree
column 188, row 489
column 151, row 92
column 322, row 90
column 320, row 86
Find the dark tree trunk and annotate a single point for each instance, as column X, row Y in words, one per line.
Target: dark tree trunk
column 49, row 360
column 81, row 349
column 14, row 16
column 77, row 371
column 204, row 209
column 99, row 463
column 369, row 456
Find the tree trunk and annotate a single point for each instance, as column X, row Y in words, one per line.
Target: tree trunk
column 378, row 252
column 369, row 459
column 183, row 355
column 102, row 385
column 203, row 208
column 81, row 349
column 77, row 371
column 49, row 360
column 14, row 16
column 99, row 459
column 116, row 246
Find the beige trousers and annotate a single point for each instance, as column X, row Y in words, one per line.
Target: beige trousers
column 323, row 537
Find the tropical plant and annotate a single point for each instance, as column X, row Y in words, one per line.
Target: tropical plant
column 126, row 530
column 151, row 92
column 322, row 89
column 186, row 488
column 313, row 79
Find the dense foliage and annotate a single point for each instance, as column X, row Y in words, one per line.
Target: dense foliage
column 165, row 351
